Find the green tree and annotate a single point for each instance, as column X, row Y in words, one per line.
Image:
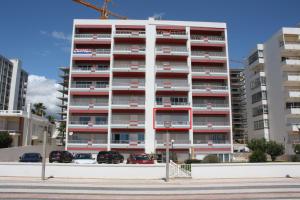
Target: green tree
column 62, row 130
column 5, row 140
column 297, row 149
column 257, row 144
column 51, row 119
column 39, row 109
column 274, row 149
column 258, row 156
column 210, row 159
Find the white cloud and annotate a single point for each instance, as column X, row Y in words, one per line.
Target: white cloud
column 44, row 90
column 57, row 35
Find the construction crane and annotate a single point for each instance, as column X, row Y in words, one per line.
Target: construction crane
column 105, row 13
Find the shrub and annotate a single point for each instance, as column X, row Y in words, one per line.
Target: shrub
column 295, row 158
column 210, row 159
column 191, row 161
column 5, row 140
column 274, row 149
column 297, row 149
column 258, row 156
column 257, row 145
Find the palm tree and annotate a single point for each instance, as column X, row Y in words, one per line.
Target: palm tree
column 51, row 119
column 39, row 109
column 62, row 130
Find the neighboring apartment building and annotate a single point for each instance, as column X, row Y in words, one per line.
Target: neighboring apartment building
column 273, row 89
column 24, row 127
column 238, row 105
column 64, row 92
column 13, row 84
column 131, row 79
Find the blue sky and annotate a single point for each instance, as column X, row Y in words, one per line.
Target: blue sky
column 37, row 31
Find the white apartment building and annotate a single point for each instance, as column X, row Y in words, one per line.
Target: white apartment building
column 273, row 89
column 13, row 84
column 131, row 78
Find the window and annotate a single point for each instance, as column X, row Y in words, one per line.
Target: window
column 259, row 110
column 261, row 124
column 255, row 56
column 259, row 96
column 260, row 81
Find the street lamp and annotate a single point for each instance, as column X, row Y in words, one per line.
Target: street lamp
column 172, row 145
column 44, row 152
column 167, row 126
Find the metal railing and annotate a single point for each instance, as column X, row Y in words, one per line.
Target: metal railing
column 175, row 141
column 87, row 85
column 95, row 36
column 88, row 103
column 127, row 122
column 208, row 53
column 208, row 69
column 91, row 68
column 131, row 48
column 128, row 82
column 207, row 123
column 91, row 51
column 20, row 112
column 161, row 67
column 129, row 32
column 88, row 122
column 209, row 87
column 127, row 142
column 173, row 123
column 212, row 105
column 171, row 33
column 128, row 100
column 173, row 103
column 172, row 82
column 207, row 37
column 87, row 141
column 201, row 141
column 124, row 64
column 172, row 48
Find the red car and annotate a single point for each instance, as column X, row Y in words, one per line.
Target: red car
column 139, row 159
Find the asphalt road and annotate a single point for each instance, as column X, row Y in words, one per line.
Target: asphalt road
column 31, row 188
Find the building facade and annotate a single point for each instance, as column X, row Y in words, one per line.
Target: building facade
column 131, row 80
column 13, row 84
column 64, row 74
column 273, row 89
column 238, row 105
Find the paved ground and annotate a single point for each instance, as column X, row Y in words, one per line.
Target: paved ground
column 54, row 188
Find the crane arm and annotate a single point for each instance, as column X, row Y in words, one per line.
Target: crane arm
column 116, row 15
column 86, row 4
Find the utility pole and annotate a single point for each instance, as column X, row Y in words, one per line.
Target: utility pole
column 167, row 157
column 44, row 153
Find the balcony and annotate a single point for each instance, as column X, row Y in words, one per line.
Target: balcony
column 172, row 67
column 129, row 34
column 128, row 102
column 88, row 105
column 209, row 72
column 172, row 102
column 293, row 111
column 211, row 143
column 292, row 94
column 172, row 84
column 90, row 70
column 209, row 90
column 291, row 64
column 90, row 53
column 130, row 144
column 126, row 66
column 208, row 40
column 90, row 87
column 293, row 127
column 172, row 50
column 130, row 49
column 211, row 126
column 216, row 108
column 86, row 143
column 291, row 79
column 182, row 124
column 290, row 46
column 171, row 34
column 176, row 144
column 127, row 123
column 87, row 38
column 209, row 55
column 128, row 84
column 87, row 124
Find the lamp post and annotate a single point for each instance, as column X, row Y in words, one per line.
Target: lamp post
column 172, row 152
column 167, row 126
column 44, row 153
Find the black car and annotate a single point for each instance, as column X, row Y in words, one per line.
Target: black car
column 31, row 157
column 109, row 157
column 60, row 156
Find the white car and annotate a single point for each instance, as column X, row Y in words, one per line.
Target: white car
column 84, row 158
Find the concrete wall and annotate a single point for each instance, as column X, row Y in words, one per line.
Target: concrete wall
column 12, row 154
column 109, row 171
column 245, row 170
column 124, row 171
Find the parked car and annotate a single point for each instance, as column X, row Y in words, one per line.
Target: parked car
column 110, row 157
column 139, row 159
column 60, row 156
column 84, row 158
column 31, row 157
